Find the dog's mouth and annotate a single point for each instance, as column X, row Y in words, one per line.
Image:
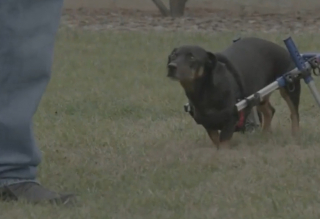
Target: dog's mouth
column 172, row 71
column 179, row 73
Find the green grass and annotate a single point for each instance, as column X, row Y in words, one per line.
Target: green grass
column 112, row 129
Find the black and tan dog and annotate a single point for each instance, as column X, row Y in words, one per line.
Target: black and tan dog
column 214, row 82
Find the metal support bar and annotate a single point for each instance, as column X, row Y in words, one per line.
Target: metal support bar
column 302, row 70
column 309, row 55
column 263, row 92
column 255, row 115
column 304, row 65
column 298, row 60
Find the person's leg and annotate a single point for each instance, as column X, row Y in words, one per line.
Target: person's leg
column 27, row 33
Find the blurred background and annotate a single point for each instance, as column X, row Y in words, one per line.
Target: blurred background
column 263, row 6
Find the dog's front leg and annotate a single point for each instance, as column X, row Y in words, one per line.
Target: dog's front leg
column 226, row 135
column 214, row 136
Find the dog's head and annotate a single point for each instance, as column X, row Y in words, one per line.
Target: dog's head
column 188, row 63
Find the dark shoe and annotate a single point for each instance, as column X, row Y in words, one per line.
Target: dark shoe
column 33, row 192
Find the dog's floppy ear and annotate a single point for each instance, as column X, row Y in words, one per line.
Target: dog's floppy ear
column 169, row 57
column 212, row 60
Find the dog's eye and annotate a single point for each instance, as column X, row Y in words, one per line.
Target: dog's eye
column 190, row 57
column 173, row 56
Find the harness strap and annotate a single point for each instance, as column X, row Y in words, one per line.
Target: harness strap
column 241, row 120
column 222, row 58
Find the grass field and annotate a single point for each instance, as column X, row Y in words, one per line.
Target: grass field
column 112, row 129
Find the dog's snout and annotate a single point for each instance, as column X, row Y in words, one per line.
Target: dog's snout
column 172, row 65
column 172, row 69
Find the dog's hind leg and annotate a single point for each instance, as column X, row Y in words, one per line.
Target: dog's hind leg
column 292, row 99
column 267, row 111
column 273, row 110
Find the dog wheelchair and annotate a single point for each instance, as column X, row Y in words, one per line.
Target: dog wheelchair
column 306, row 65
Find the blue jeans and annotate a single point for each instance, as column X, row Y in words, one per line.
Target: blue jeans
column 27, row 34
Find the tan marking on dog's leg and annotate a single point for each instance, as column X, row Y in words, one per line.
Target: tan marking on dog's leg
column 293, row 113
column 214, row 136
column 224, row 145
column 271, row 108
column 266, row 113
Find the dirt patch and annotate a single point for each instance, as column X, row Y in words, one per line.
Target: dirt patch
column 196, row 19
column 261, row 6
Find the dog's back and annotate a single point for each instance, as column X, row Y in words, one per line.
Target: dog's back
column 259, row 62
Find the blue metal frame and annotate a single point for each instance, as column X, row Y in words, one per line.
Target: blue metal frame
column 308, row 55
column 301, row 65
column 297, row 58
column 303, row 70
